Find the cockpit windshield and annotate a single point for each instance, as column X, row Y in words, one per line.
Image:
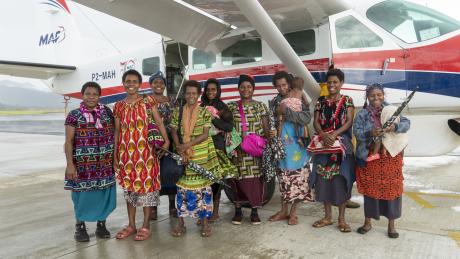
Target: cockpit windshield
column 411, row 22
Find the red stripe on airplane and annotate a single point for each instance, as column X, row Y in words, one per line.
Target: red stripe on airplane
column 442, row 56
column 312, row 65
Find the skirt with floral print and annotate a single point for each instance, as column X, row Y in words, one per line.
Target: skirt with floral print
column 194, row 203
column 294, row 185
column 149, row 199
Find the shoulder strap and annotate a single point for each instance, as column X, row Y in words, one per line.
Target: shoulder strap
column 243, row 117
column 181, row 111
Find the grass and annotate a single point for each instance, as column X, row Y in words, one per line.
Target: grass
column 27, row 112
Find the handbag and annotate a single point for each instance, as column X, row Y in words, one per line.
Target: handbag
column 170, row 169
column 317, row 146
column 252, row 143
column 154, row 137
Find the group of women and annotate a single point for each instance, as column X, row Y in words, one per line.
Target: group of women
column 103, row 147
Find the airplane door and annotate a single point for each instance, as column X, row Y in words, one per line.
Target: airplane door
column 367, row 55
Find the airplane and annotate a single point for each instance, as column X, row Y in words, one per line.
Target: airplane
column 398, row 43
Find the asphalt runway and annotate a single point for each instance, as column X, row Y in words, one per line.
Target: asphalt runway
column 37, row 217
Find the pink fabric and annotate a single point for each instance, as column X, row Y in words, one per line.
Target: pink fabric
column 214, row 112
column 89, row 115
column 292, row 103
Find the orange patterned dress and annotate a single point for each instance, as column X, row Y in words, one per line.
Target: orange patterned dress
column 139, row 167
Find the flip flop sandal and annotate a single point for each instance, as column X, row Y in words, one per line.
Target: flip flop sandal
column 126, row 232
column 206, row 232
column 363, row 230
column 344, row 228
column 293, row 221
column 393, row 234
column 142, row 234
column 322, row 223
column 178, row 231
column 278, row 217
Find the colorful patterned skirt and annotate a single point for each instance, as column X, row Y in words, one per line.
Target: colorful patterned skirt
column 294, row 185
column 381, row 179
column 194, row 203
column 149, row 199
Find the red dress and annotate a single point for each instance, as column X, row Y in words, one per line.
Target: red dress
column 138, row 166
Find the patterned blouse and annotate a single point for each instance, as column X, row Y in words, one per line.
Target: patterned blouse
column 327, row 109
column 139, row 167
column 92, row 152
column 165, row 109
column 204, row 154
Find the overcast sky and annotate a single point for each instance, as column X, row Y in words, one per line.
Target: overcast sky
column 449, row 7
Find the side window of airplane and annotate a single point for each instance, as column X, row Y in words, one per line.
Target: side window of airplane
column 243, row 51
column 150, row 66
column 203, row 60
column 411, row 22
column 351, row 34
column 303, row 42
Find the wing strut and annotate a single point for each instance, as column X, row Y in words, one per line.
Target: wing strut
column 267, row 29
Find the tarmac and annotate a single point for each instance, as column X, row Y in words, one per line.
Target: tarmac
column 37, row 217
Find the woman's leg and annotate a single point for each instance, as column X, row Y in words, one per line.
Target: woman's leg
column 327, row 220
column 216, row 192
column 131, row 214
column 282, row 214
column 343, row 226
column 206, row 230
column 392, row 233
column 147, row 213
column 238, row 217
column 172, row 205
column 179, row 229
column 255, row 219
column 293, row 219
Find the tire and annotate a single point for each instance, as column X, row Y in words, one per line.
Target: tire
column 269, row 190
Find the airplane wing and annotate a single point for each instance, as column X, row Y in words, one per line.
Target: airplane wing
column 172, row 19
column 33, row 70
column 200, row 23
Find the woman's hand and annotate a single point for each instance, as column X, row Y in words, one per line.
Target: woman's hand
column 182, row 148
column 70, row 172
column 184, row 159
column 376, row 132
column 328, row 138
column 391, row 128
column 272, row 133
column 160, row 152
column 115, row 165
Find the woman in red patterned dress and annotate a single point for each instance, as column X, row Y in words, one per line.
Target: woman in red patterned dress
column 379, row 180
column 136, row 163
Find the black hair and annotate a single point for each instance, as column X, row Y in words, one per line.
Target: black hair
column 193, row 84
column 246, row 78
column 93, row 85
column 204, row 98
column 336, row 72
column 132, row 72
column 280, row 75
column 157, row 75
column 370, row 88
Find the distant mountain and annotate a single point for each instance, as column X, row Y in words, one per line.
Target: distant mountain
column 18, row 95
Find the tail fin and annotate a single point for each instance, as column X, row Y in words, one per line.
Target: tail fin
column 38, row 32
